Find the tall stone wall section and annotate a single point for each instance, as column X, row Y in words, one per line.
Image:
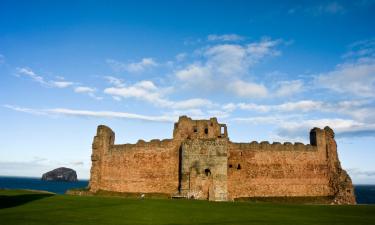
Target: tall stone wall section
column 264, row 170
column 145, row 167
column 289, row 170
column 204, row 169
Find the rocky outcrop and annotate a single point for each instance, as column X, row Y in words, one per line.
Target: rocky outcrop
column 61, row 174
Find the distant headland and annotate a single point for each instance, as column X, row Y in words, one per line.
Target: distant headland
column 61, row 174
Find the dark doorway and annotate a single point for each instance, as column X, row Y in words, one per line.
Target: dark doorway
column 207, row 172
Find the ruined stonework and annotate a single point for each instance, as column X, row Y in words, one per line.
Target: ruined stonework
column 201, row 162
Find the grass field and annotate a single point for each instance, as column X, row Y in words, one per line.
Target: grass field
column 24, row 207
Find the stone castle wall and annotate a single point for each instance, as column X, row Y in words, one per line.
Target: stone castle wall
column 201, row 162
column 204, row 165
column 276, row 170
column 145, row 167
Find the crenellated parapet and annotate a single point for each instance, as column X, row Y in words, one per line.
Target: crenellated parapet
column 275, row 146
column 141, row 144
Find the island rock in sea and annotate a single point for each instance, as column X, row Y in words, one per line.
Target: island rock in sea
column 61, row 174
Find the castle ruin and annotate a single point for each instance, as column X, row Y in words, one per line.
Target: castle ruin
column 201, row 162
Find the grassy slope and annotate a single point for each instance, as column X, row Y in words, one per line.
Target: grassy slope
column 61, row 209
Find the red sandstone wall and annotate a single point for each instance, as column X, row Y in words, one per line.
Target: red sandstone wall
column 276, row 170
column 253, row 169
column 144, row 167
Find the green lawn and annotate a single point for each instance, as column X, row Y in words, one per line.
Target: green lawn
column 22, row 207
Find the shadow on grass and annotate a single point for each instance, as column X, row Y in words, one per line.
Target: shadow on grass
column 7, row 201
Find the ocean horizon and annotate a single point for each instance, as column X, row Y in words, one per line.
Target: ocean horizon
column 365, row 193
column 35, row 183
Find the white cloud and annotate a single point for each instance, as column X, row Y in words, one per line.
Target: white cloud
column 89, row 113
column 287, row 88
column 342, row 127
column 146, row 84
column 224, row 37
column 115, row 81
column 142, row 65
column 360, row 110
column 137, row 90
column 265, row 47
column 61, row 84
column 83, row 89
column 229, row 107
column 356, row 78
column 223, row 66
column 189, row 103
column 25, row 110
column 301, row 106
column 248, row 89
column 148, row 91
column 356, row 172
column 361, row 114
column 28, row 72
column 296, row 127
column 134, row 67
column 87, row 90
column 195, row 74
column 228, row 59
column 251, row 107
column 260, row 119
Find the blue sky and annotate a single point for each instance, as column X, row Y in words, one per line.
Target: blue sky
column 271, row 70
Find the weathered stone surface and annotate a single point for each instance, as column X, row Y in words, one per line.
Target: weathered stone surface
column 60, row 174
column 201, row 162
column 204, row 169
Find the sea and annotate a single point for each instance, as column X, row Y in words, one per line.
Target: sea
column 58, row 187
column 365, row 194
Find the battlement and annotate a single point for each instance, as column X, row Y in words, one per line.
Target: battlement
column 275, row 146
column 147, row 145
column 187, row 128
